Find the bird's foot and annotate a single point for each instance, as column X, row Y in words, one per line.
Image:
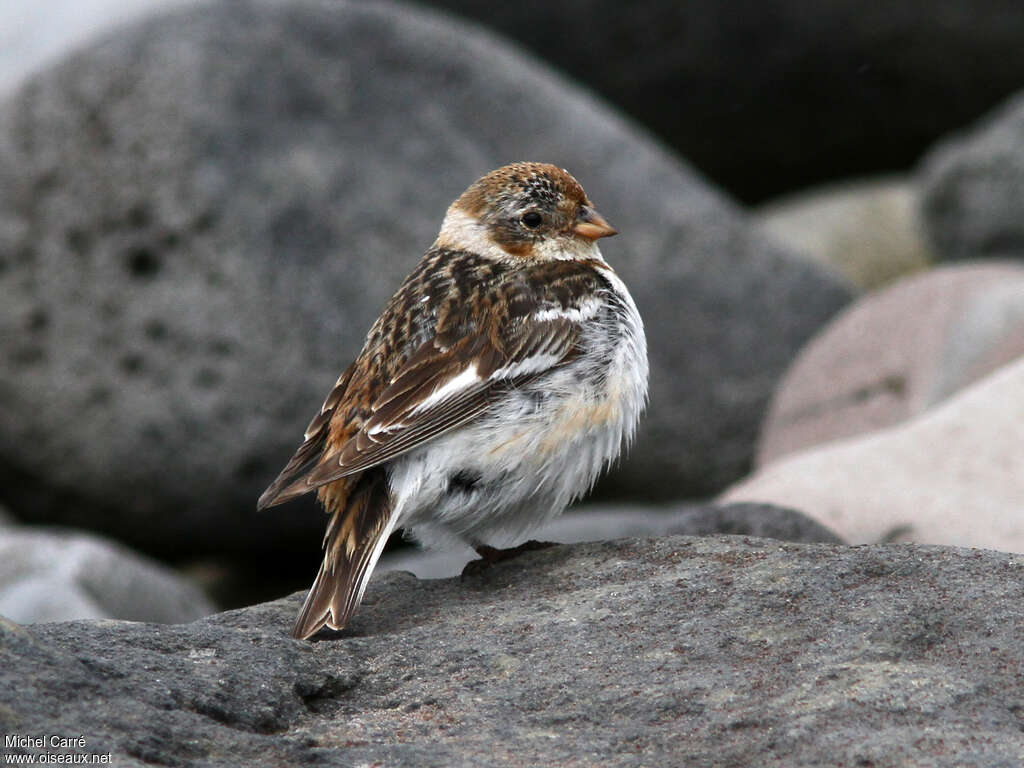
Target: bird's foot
column 491, row 555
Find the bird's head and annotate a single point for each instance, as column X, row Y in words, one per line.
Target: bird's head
column 525, row 211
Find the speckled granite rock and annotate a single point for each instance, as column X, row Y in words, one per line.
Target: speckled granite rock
column 675, row 651
column 53, row 575
column 201, row 216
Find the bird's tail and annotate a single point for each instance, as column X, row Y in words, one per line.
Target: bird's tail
column 354, row 541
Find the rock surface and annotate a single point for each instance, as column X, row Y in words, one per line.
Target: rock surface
column 677, row 651
column 840, row 89
column 973, row 189
column 954, row 475
column 896, row 353
column 605, row 522
column 201, row 216
column 63, row 575
column 868, row 230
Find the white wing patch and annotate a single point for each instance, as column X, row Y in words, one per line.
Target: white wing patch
column 376, row 429
column 453, row 386
column 534, row 364
column 586, row 310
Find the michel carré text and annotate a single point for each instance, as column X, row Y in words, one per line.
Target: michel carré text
column 14, row 740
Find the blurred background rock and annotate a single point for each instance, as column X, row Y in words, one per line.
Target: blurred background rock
column 204, row 205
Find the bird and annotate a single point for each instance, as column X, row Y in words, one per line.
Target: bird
column 505, row 374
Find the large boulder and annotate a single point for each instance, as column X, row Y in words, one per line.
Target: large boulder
column 725, row 651
column 953, row 475
column 973, row 188
column 201, row 216
column 896, row 353
column 50, row 575
column 773, row 96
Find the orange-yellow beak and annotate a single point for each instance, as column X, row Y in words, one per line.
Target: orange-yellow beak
column 592, row 225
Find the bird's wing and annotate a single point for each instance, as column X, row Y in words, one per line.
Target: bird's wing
column 441, row 386
column 312, row 448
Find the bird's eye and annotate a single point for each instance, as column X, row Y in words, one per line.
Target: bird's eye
column 532, row 219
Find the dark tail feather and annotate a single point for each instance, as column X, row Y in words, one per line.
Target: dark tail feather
column 355, row 539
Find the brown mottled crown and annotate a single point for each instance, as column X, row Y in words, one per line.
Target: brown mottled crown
column 534, row 182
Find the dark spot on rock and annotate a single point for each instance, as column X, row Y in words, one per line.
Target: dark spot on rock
column 895, row 384
column 132, row 364
column 463, row 481
column 299, row 231
column 109, row 309
column 46, row 182
column 221, row 347
column 38, row 319
column 98, row 395
column 228, row 415
column 152, row 433
column 204, row 221
column 155, row 330
column 138, row 216
column 27, row 355
column 78, row 240
column 142, row 263
column 891, row 385
column 98, row 128
column 206, row 378
column 170, row 240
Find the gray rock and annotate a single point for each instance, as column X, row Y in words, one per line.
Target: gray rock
column 724, row 651
column 868, row 230
column 201, row 216
column 63, row 575
column 973, row 189
column 604, row 522
column 781, row 94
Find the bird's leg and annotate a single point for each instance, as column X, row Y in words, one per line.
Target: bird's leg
column 491, row 555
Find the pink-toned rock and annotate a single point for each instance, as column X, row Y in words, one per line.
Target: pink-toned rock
column 954, row 475
column 895, row 353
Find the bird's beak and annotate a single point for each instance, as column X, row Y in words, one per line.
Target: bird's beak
column 592, row 225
